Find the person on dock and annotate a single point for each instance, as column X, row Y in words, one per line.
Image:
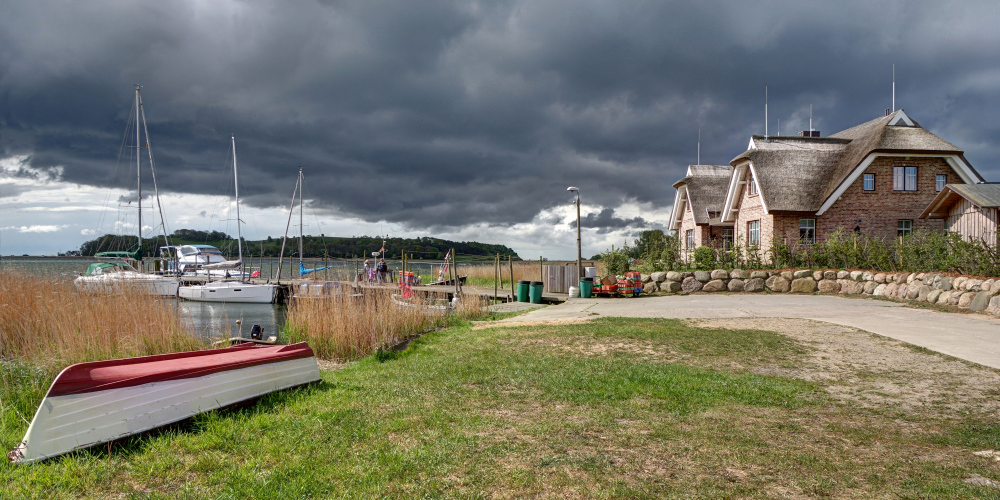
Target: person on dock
column 368, row 271
column 382, row 269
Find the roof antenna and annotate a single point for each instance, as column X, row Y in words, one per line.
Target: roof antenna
column 894, row 87
column 699, row 147
column 810, row 120
column 779, row 127
column 765, row 113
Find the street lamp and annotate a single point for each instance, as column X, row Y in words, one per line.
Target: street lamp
column 579, row 251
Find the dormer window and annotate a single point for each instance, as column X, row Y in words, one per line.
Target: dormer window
column 751, row 185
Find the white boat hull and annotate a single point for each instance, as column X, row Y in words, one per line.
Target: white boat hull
column 76, row 421
column 229, row 291
column 151, row 284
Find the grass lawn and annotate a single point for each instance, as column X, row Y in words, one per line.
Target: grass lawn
column 622, row 408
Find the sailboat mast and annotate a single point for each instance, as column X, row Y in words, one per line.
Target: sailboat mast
column 236, row 184
column 138, row 169
column 301, row 237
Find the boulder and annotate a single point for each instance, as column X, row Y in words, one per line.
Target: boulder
column 980, row 302
column 869, row 287
column 900, row 291
column 650, row 287
column 879, row 277
column 703, row 276
column 944, row 297
column 788, row 275
column 995, row 288
column 929, row 279
column 691, row 284
column 911, row 278
column 890, row 289
column 829, row 275
column 714, row 286
column 958, row 282
column 851, row 287
column 778, row 284
column 994, row 307
column 901, row 278
column 675, row 276
column 843, row 275
column 720, row 274
column 879, row 290
column 987, row 286
column 754, row 285
column 802, row 273
column 735, row 285
column 645, row 278
column 856, row 275
column 739, row 274
column 758, row 275
column 829, row 286
column 920, row 276
column 913, row 291
column 804, row 285
column 966, row 299
column 686, row 274
column 923, row 292
column 955, row 297
column 867, row 276
column 972, row 285
column 670, row 286
column 817, row 275
column 944, row 283
column 658, row 277
column 933, row 296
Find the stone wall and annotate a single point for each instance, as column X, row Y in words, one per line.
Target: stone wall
column 961, row 292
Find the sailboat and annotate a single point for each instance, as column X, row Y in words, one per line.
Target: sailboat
column 118, row 271
column 231, row 290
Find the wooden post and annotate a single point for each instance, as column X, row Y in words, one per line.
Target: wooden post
column 541, row 271
column 510, row 263
column 496, row 277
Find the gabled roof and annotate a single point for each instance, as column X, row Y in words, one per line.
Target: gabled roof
column 799, row 174
column 985, row 195
column 706, row 189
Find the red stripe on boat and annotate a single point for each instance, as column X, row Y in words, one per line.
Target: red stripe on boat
column 118, row 373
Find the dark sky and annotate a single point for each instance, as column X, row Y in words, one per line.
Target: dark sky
column 438, row 115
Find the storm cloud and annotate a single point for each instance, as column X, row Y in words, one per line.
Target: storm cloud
column 452, row 114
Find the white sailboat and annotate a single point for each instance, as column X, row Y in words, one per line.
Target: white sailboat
column 119, row 272
column 231, row 290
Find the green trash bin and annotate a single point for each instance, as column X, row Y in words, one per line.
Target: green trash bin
column 523, row 287
column 536, row 292
column 586, row 287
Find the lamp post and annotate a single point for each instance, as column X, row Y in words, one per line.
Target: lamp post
column 579, row 251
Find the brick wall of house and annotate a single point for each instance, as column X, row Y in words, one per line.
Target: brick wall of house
column 877, row 212
column 750, row 208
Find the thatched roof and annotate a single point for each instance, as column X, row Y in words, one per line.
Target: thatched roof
column 799, row 173
column 706, row 188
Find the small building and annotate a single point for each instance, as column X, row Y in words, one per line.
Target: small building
column 698, row 207
column 970, row 210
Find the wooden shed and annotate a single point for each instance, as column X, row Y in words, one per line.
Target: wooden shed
column 968, row 209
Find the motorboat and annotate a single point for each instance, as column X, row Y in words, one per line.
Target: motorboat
column 101, row 401
column 106, row 277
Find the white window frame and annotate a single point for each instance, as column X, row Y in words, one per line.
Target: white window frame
column 751, row 185
column 753, row 233
column 809, row 226
column 865, row 180
column 727, row 238
column 904, row 227
column 940, row 180
column 689, row 239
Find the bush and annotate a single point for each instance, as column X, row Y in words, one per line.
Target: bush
column 616, row 262
column 704, row 257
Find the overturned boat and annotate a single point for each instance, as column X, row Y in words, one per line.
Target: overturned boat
column 100, row 401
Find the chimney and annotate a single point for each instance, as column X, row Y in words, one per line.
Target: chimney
column 809, row 133
column 887, row 111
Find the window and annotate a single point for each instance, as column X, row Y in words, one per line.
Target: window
column 751, row 185
column 904, row 178
column 689, row 236
column 869, row 182
column 904, row 227
column 753, row 233
column 939, row 181
column 727, row 238
column 807, row 231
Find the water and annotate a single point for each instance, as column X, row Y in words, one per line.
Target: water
column 209, row 319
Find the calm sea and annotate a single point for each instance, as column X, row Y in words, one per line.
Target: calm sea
column 206, row 319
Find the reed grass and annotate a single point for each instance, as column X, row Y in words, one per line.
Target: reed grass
column 347, row 327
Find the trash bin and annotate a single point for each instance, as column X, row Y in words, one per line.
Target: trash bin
column 586, row 287
column 574, row 292
column 522, row 290
column 536, row 292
